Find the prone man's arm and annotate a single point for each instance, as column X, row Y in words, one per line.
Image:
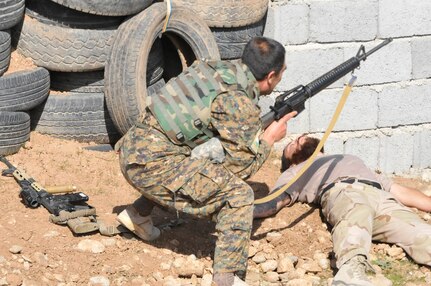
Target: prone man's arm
column 411, row 197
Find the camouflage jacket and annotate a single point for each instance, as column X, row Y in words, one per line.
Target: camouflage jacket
column 235, row 117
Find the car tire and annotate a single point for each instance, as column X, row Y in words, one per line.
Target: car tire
column 23, row 90
column 11, row 13
column 14, row 131
column 107, row 7
column 125, row 72
column 227, row 13
column 75, row 116
column 4, row 51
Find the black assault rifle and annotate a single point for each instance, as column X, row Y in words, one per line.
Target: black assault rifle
column 69, row 208
column 294, row 99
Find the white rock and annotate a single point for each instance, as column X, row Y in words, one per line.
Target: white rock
column 269, row 265
column 109, row 241
column 324, row 263
column 99, row 281
column 271, row 276
column 259, row 257
column 285, row 264
column 206, row 280
column 89, row 245
column 15, row 249
column 252, row 251
column 273, row 236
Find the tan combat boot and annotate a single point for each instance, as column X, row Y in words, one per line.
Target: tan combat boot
column 227, row 279
column 352, row 273
column 142, row 226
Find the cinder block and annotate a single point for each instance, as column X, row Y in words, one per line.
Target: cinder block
column 405, row 104
column 306, row 63
column 366, row 148
column 334, row 145
column 422, row 149
column 359, row 112
column 338, row 21
column 421, row 57
column 401, row 18
column 396, row 153
column 288, row 23
column 392, row 63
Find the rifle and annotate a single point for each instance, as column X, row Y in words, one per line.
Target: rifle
column 69, row 208
column 294, row 99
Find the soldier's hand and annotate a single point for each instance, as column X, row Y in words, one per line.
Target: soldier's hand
column 277, row 129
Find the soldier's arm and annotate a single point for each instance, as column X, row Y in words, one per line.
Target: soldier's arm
column 411, row 197
column 236, row 118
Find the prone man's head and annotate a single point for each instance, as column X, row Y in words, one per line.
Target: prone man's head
column 298, row 151
column 265, row 58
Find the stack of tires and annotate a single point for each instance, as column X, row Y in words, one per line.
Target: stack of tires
column 102, row 57
column 20, row 91
column 233, row 23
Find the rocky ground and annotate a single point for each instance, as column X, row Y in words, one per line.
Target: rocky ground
column 291, row 248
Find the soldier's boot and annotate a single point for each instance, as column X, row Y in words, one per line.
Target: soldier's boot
column 353, row 273
column 227, row 279
column 142, row 226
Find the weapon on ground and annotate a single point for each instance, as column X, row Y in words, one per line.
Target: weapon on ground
column 294, row 99
column 69, row 208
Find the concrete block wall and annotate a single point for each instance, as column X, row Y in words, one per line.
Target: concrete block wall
column 387, row 117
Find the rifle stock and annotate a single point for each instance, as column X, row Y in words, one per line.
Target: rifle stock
column 294, row 99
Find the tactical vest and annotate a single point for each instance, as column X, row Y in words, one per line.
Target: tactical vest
column 183, row 106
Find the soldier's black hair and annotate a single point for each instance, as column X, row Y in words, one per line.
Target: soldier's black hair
column 263, row 55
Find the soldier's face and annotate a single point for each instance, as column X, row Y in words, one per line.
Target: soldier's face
column 278, row 77
column 268, row 84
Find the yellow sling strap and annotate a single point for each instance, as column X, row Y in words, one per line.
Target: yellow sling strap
column 310, row 160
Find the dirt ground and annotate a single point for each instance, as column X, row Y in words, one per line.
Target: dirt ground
column 56, row 162
column 34, row 251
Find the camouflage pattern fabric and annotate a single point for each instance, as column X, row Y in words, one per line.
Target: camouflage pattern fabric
column 360, row 213
column 212, row 191
column 166, row 173
column 183, row 106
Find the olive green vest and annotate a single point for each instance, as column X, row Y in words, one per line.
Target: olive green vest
column 183, row 106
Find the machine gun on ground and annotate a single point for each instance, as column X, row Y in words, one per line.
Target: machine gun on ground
column 294, row 99
column 69, row 208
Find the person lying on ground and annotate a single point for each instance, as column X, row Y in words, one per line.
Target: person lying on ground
column 360, row 205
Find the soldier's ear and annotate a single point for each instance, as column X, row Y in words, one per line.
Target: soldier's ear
column 271, row 77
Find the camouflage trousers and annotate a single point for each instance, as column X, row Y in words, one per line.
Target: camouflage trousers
column 360, row 213
column 216, row 193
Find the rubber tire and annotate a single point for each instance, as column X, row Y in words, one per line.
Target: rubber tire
column 48, row 12
column 23, row 90
column 11, row 13
column 74, row 116
column 14, row 131
column 227, row 13
column 78, row 82
column 5, row 43
column 125, row 72
column 107, row 7
column 63, row 49
column 231, row 41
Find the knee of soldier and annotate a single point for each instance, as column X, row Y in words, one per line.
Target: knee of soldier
column 240, row 194
column 420, row 250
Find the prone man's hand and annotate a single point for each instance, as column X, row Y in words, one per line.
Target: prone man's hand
column 277, row 129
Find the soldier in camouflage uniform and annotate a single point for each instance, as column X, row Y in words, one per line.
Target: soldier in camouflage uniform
column 360, row 205
column 215, row 103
